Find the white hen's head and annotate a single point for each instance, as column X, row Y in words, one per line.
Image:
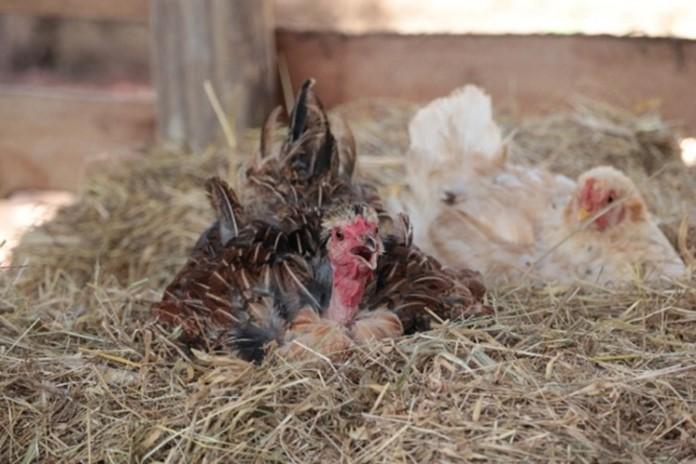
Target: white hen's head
column 607, row 195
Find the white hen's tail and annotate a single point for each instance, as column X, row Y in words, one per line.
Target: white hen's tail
column 452, row 139
column 456, row 133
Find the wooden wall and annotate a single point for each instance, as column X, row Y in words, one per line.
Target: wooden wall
column 52, row 119
column 529, row 74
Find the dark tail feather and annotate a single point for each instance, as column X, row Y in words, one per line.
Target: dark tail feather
column 226, row 206
column 310, row 148
column 406, row 229
column 298, row 119
column 397, row 231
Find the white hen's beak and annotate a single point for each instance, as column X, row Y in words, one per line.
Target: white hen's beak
column 583, row 214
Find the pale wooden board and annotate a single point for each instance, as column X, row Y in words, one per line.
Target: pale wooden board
column 48, row 135
column 525, row 74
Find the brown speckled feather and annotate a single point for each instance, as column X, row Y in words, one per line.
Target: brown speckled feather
column 260, row 264
column 415, row 285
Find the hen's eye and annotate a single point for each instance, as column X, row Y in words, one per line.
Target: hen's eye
column 339, row 235
column 610, row 200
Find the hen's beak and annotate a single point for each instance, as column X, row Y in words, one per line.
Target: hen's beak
column 368, row 252
column 583, row 214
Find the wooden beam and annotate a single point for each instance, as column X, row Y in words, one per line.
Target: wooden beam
column 130, row 10
column 49, row 134
column 529, row 74
column 227, row 42
column 45, row 135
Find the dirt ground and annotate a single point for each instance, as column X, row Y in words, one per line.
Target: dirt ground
column 23, row 210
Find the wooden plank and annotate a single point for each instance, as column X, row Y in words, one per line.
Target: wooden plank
column 48, row 135
column 131, row 10
column 227, row 42
column 528, row 73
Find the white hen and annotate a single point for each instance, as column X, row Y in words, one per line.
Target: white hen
column 471, row 207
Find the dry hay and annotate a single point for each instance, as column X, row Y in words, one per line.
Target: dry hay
column 563, row 374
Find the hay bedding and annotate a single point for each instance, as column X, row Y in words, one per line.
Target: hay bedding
column 561, row 374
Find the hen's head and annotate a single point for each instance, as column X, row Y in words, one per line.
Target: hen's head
column 353, row 239
column 607, row 195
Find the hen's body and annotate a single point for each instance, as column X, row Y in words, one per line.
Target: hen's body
column 262, row 271
column 473, row 208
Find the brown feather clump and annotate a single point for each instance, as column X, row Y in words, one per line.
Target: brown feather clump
column 558, row 374
column 263, row 265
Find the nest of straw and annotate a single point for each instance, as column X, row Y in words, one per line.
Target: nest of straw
column 561, row 374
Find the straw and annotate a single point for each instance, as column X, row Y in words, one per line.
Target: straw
column 562, row 374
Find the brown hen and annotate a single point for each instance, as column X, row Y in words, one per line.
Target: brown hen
column 307, row 258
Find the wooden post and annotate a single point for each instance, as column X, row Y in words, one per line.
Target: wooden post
column 228, row 42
